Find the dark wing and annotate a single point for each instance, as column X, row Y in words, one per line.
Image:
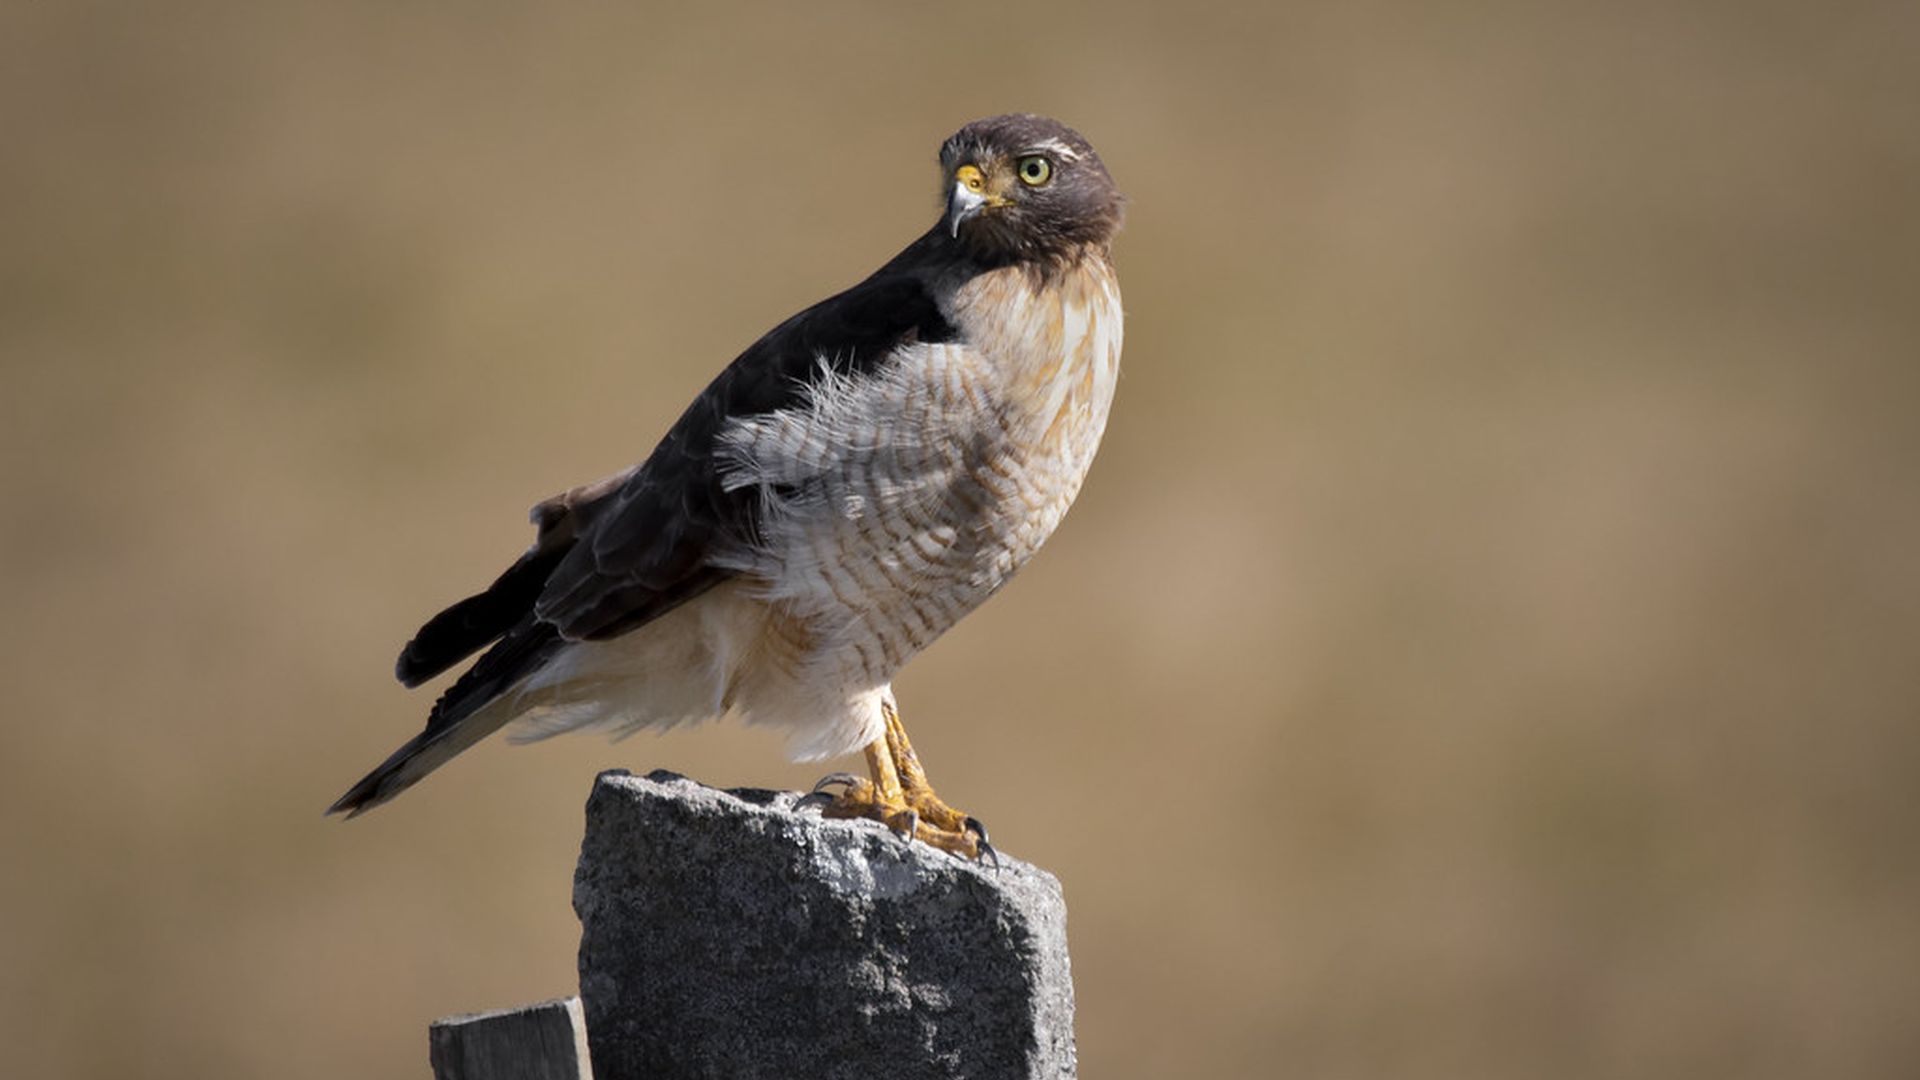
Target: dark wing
column 615, row 555
column 653, row 544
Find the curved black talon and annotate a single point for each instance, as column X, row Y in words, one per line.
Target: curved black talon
column 831, row 779
column 972, row 825
column 820, row 797
column 813, row 800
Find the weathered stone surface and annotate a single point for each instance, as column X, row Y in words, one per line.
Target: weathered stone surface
column 724, row 934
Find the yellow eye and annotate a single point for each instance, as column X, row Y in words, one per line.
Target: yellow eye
column 1035, row 170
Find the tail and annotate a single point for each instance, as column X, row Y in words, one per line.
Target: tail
column 460, row 718
column 409, row 764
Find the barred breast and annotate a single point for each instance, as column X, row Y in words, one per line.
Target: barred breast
column 897, row 501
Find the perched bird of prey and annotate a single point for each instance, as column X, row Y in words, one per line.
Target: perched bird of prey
column 845, row 491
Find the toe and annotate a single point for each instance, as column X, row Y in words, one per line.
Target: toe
column 905, row 823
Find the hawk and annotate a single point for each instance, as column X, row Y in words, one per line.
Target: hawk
column 846, row 490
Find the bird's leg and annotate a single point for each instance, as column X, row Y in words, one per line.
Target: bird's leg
column 914, row 785
column 900, row 796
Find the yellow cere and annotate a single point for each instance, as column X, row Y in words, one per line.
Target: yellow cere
column 972, row 177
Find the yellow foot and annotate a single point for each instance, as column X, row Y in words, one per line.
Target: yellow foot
column 919, row 815
column 899, row 797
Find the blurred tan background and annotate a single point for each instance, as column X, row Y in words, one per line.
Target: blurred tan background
column 1488, row 646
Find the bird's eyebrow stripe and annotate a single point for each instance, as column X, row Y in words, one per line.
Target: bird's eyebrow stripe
column 1057, row 147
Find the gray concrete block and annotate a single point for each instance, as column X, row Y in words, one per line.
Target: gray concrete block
column 724, row 934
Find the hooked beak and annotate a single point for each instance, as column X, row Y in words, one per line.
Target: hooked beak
column 970, row 195
column 962, row 205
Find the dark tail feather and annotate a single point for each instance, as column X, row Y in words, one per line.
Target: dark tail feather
column 461, row 630
column 455, row 722
column 395, row 775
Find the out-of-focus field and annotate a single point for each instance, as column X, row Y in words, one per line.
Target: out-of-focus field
column 1488, row 646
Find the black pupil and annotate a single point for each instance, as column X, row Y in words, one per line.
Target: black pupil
column 1033, row 167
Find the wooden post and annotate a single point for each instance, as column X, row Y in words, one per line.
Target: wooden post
column 547, row 1041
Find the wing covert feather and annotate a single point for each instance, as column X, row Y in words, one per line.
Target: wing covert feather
column 651, row 544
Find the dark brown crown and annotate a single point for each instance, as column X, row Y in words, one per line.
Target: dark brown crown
column 1077, row 208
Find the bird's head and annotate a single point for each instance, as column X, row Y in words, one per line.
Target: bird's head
column 1026, row 187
